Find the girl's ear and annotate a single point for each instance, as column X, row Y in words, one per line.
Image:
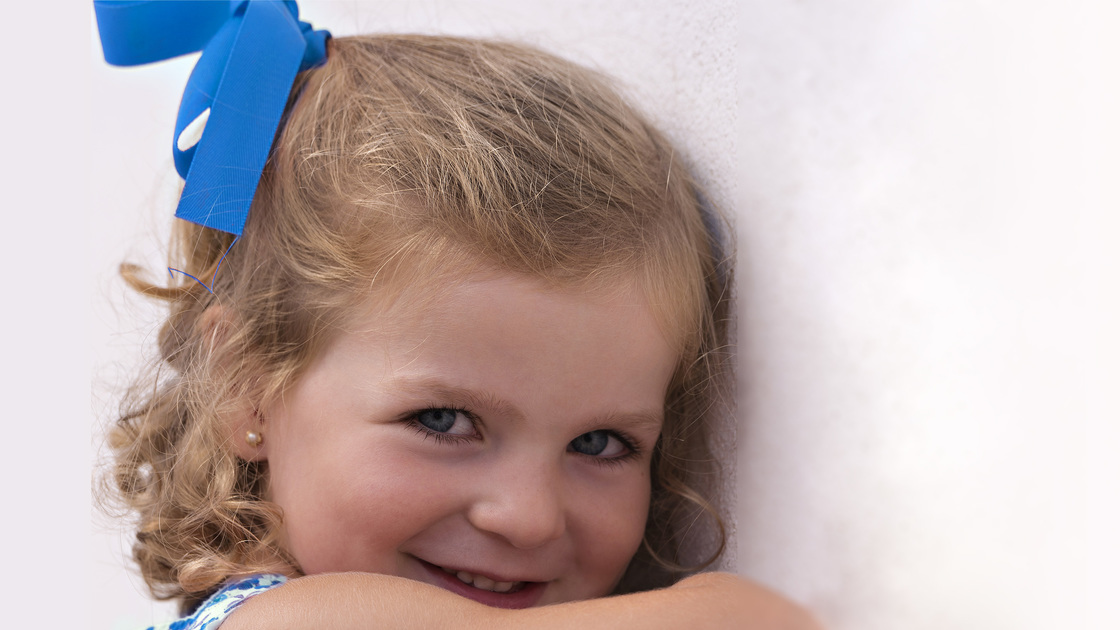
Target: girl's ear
column 241, row 419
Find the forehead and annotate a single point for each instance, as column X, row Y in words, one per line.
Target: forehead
column 480, row 298
column 412, row 291
column 427, row 248
column 589, row 351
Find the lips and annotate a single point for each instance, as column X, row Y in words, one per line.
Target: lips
column 486, row 590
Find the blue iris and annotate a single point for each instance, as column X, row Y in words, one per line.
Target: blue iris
column 438, row 420
column 591, row 443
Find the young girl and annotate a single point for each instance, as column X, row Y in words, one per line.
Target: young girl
column 459, row 366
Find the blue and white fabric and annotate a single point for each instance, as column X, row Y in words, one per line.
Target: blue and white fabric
column 211, row 613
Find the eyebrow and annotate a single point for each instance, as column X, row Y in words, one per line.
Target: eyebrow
column 429, row 387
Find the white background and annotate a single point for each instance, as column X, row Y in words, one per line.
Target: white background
column 925, row 195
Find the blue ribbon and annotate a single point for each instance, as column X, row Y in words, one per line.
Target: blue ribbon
column 251, row 53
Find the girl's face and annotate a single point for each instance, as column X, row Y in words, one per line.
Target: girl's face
column 493, row 440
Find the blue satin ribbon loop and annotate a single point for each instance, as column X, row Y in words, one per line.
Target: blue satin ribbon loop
column 251, row 53
column 135, row 33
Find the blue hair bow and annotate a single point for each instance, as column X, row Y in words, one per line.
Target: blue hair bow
column 251, row 53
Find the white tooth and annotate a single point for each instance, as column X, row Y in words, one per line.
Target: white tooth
column 502, row 587
column 483, row 583
column 465, row 577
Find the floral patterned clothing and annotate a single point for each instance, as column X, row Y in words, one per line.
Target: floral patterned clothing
column 212, row 612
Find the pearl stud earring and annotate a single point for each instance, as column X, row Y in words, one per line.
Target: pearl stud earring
column 252, row 438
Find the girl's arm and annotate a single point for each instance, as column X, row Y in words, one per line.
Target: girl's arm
column 367, row 601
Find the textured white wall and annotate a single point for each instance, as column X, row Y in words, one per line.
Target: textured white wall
column 927, row 285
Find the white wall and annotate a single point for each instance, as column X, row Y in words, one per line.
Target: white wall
column 928, row 280
column 926, row 289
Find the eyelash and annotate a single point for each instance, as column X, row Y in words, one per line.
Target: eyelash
column 632, row 450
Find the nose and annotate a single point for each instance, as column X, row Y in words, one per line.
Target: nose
column 522, row 503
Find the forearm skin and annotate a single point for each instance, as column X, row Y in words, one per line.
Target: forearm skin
column 366, row 601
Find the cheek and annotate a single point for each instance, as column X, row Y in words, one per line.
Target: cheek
column 353, row 508
column 612, row 533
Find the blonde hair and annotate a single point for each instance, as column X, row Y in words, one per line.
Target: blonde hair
column 403, row 159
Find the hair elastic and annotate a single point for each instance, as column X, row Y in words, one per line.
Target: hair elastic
column 716, row 239
column 251, row 53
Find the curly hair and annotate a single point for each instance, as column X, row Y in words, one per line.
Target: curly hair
column 399, row 159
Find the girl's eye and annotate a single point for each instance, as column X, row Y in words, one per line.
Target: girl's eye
column 445, row 421
column 600, row 443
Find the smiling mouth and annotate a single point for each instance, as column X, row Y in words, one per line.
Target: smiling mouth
column 486, row 590
column 485, row 583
